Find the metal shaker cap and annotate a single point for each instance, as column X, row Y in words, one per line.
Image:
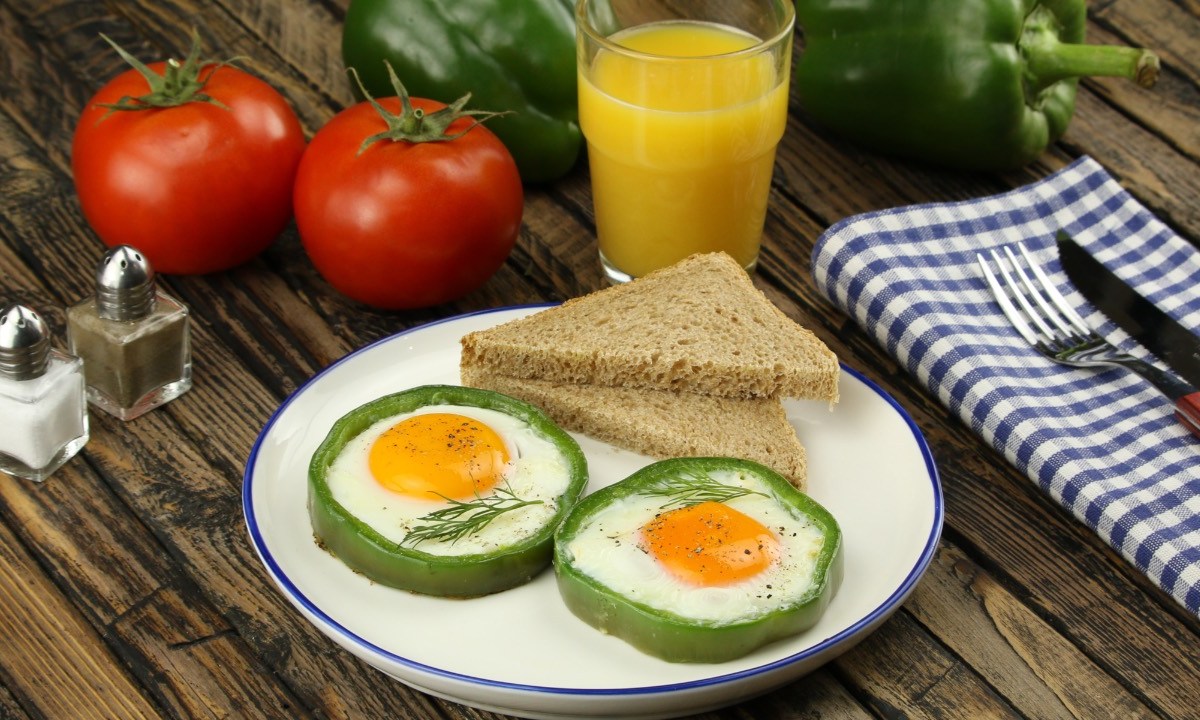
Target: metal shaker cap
column 124, row 284
column 24, row 343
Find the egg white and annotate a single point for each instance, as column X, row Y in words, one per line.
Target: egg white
column 537, row 470
column 607, row 550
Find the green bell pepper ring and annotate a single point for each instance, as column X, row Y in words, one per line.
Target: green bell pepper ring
column 971, row 84
column 511, row 55
column 671, row 636
column 404, row 566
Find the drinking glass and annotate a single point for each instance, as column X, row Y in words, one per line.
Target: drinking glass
column 682, row 105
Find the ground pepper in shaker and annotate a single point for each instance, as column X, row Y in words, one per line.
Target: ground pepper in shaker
column 133, row 338
column 43, row 407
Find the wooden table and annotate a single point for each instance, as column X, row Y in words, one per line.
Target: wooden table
column 129, row 587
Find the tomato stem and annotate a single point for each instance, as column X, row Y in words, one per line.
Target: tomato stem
column 414, row 125
column 179, row 84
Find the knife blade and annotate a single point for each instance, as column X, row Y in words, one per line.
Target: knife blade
column 1152, row 328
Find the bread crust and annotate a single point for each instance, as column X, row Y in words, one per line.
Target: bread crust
column 698, row 326
column 664, row 424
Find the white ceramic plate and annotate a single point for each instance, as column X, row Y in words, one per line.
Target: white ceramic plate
column 521, row 651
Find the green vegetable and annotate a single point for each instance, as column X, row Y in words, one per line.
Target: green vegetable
column 460, row 519
column 687, row 486
column 514, row 55
column 404, row 565
column 974, row 84
column 661, row 632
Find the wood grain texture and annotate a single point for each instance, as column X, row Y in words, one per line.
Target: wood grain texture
column 1018, row 653
column 51, row 660
column 128, row 585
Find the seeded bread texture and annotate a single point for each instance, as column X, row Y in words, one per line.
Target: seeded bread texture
column 698, row 326
column 663, row 424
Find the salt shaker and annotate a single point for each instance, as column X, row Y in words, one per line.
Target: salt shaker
column 43, row 407
column 133, row 338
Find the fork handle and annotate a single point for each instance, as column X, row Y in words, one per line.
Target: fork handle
column 1187, row 410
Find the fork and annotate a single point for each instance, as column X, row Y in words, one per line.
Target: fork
column 1059, row 333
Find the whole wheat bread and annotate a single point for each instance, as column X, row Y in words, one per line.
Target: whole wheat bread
column 698, row 326
column 661, row 423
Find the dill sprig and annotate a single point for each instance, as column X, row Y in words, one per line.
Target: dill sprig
column 687, row 489
column 461, row 518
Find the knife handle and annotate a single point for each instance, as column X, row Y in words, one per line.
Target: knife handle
column 1187, row 409
column 1187, row 397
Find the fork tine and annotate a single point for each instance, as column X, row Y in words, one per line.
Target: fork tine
column 1010, row 310
column 1015, row 287
column 1039, row 295
column 1056, row 297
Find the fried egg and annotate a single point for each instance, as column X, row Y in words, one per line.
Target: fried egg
column 719, row 562
column 404, row 467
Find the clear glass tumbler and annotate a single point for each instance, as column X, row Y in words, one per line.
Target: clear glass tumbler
column 682, row 106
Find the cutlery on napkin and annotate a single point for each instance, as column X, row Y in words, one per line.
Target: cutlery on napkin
column 1104, row 445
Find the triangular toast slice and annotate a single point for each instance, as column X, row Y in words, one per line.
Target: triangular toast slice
column 698, row 326
column 664, row 424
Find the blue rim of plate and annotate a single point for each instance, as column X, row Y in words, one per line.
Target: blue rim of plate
column 884, row 609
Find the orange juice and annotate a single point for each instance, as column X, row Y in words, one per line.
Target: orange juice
column 681, row 142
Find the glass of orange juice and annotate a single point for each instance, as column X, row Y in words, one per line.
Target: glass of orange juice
column 682, row 105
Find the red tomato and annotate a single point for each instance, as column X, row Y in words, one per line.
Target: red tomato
column 196, row 187
column 406, row 224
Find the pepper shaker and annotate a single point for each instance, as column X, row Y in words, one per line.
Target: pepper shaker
column 43, row 407
column 132, row 336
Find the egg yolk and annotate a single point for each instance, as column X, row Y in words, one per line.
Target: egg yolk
column 709, row 544
column 438, row 455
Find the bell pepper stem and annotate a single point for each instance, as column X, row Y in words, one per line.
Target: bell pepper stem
column 1051, row 62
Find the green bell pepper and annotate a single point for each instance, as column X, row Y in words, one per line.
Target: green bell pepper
column 972, row 84
column 661, row 631
column 405, row 566
column 511, row 55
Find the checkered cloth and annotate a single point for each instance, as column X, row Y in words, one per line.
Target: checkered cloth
column 1103, row 443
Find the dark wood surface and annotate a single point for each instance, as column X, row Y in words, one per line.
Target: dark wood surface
column 128, row 585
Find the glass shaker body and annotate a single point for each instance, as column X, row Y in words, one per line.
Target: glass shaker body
column 44, row 418
column 133, row 366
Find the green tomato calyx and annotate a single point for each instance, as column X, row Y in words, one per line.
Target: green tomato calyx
column 179, row 84
column 414, row 125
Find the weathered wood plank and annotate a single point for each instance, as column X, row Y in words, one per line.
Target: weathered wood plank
column 1157, row 174
column 1171, row 109
column 9, row 708
column 305, row 35
column 1144, row 638
column 51, row 659
column 900, row 672
column 1019, row 655
column 196, row 663
column 1168, row 28
column 817, row 695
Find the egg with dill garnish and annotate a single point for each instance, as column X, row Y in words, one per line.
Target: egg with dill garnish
column 403, row 472
column 444, row 490
column 699, row 559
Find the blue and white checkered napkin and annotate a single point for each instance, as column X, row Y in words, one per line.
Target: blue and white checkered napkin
column 1103, row 443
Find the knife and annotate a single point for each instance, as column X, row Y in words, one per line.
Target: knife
column 1152, row 328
